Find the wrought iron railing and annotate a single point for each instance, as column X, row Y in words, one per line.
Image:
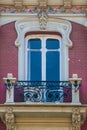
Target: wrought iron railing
column 45, row 91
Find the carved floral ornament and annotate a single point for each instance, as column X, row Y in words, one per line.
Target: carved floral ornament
column 18, row 3
column 67, row 3
column 42, row 15
column 42, row 3
column 9, row 119
column 76, row 119
column 26, row 25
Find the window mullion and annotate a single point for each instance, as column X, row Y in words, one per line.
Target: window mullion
column 43, row 59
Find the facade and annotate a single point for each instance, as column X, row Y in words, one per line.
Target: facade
column 43, row 66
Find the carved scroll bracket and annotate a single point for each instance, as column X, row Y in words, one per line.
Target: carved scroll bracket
column 76, row 119
column 9, row 119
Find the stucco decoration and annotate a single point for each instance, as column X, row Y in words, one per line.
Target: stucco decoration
column 42, row 3
column 76, row 119
column 42, row 19
column 18, row 3
column 58, row 25
column 10, row 119
column 53, row 25
column 60, row 9
column 67, row 3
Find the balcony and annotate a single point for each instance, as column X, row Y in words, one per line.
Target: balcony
column 43, row 91
column 52, row 105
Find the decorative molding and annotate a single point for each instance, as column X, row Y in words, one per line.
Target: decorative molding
column 43, row 3
column 10, row 119
column 49, row 10
column 76, row 119
column 67, row 3
column 26, row 25
column 53, row 25
column 50, row 2
column 18, row 3
column 43, row 19
column 31, row 115
column 6, row 18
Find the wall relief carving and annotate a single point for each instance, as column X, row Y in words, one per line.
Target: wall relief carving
column 42, row 3
column 9, row 119
column 42, row 15
column 76, row 119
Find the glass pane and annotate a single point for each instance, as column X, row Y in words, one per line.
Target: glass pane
column 34, row 65
column 34, row 44
column 52, row 66
column 52, row 44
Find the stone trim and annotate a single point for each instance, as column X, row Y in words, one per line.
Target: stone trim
column 50, row 2
column 61, row 115
column 9, row 119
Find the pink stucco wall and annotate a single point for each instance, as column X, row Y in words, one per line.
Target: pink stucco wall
column 8, row 55
column 78, row 57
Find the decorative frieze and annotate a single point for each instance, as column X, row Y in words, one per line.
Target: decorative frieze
column 50, row 10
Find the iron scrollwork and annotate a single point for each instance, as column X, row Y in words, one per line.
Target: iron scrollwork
column 44, row 91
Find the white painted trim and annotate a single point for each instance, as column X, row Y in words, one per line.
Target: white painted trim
column 26, row 25
column 6, row 18
column 43, row 38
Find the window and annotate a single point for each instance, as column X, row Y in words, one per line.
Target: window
column 49, row 54
column 43, row 63
column 43, row 58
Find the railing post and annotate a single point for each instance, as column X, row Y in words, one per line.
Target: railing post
column 9, row 82
column 76, row 83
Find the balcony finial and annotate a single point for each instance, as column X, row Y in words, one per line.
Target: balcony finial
column 9, row 82
column 75, row 83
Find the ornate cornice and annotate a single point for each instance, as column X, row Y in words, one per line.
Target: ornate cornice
column 50, row 2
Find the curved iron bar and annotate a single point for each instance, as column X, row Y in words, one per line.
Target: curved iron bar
column 44, row 91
